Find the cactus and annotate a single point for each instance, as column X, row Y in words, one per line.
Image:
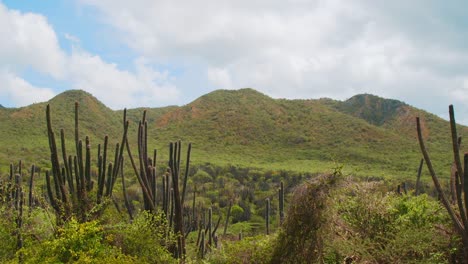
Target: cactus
column 418, row 177
column 227, row 218
column 30, row 196
column 164, row 196
column 200, row 231
column 267, row 216
column 124, row 190
column 201, row 250
column 281, row 202
column 73, row 182
column 171, row 205
column 187, row 168
column 213, row 235
column 174, row 165
column 145, row 171
column 210, row 226
column 460, row 219
column 194, row 218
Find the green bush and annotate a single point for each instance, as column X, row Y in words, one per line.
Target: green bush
column 374, row 227
column 7, row 237
column 236, row 213
column 256, row 250
column 146, row 237
column 75, row 243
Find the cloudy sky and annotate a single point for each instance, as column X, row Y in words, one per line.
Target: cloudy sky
column 162, row 52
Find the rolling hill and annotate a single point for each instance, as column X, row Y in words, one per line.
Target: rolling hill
column 369, row 135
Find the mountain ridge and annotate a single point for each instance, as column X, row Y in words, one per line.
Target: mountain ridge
column 369, row 134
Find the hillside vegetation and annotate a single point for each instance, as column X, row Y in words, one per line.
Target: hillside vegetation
column 250, row 191
column 369, row 135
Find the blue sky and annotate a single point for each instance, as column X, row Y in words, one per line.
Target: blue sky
column 157, row 53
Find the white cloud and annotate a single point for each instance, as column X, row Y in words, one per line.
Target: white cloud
column 294, row 49
column 220, row 78
column 28, row 40
column 22, row 93
column 118, row 88
column 334, row 48
column 72, row 38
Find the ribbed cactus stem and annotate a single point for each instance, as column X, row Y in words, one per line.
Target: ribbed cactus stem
column 168, row 192
column 187, row 170
column 164, row 195
column 19, row 223
column 281, row 202
column 200, row 231
column 171, row 207
column 267, row 216
column 202, row 246
column 31, row 181
column 210, row 226
column 227, row 218
column 194, row 219
column 50, row 193
column 66, row 163
column 77, row 137
column 465, row 183
column 418, row 177
column 125, row 195
column 89, row 183
column 213, row 233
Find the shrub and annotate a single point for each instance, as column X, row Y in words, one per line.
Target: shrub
column 255, row 250
column 300, row 239
column 7, row 237
column 75, row 243
column 236, row 213
column 147, row 238
column 374, row 227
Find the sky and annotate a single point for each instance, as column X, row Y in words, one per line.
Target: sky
column 169, row 52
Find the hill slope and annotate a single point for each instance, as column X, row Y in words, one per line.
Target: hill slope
column 368, row 134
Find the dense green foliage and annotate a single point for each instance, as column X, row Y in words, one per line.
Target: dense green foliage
column 376, row 227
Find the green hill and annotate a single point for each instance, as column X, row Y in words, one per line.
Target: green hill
column 367, row 134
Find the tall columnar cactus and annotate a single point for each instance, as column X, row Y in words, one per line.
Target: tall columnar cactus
column 227, row 218
column 174, row 165
column 201, row 250
column 124, row 190
column 194, row 216
column 213, row 233
column 145, row 173
column 71, row 180
column 172, row 197
column 418, row 177
column 30, row 196
column 209, row 227
column 267, row 216
column 281, row 202
column 15, row 195
column 460, row 219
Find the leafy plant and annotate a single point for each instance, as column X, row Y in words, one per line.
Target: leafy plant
column 147, row 238
column 76, row 243
column 374, row 227
column 256, row 249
